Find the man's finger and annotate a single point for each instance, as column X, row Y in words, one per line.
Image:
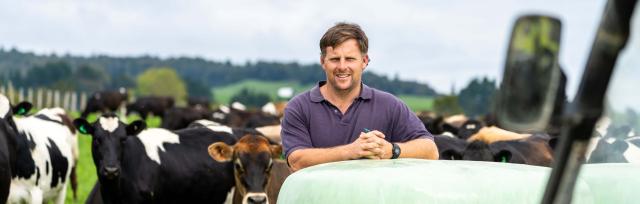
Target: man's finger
column 377, row 133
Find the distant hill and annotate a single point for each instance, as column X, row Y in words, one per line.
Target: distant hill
column 122, row 71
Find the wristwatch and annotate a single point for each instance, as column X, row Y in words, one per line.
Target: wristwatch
column 395, row 151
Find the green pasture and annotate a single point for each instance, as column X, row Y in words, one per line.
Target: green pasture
column 223, row 94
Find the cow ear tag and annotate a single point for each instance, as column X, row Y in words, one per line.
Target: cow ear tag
column 83, row 129
column 21, row 111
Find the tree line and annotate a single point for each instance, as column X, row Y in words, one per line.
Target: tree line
column 93, row 73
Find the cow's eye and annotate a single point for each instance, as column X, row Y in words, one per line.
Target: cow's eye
column 96, row 142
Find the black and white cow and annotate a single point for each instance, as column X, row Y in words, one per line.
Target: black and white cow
column 272, row 132
column 156, row 165
column 8, row 135
column 618, row 145
column 46, row 153
column 105, row 101
column 155, row 105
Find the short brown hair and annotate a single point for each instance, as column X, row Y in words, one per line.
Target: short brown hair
column 342, row 32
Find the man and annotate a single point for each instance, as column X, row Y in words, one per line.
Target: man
column 343, row 119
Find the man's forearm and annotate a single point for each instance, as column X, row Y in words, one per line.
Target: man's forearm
column 303, row 158
column 419, row 148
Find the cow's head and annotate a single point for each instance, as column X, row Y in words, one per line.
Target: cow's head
column 252, row 157
column 108, row 133
column 478, row 151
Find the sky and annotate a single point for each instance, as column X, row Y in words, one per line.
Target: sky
column 442, row 43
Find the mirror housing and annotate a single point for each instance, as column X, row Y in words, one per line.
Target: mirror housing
column 532, row 75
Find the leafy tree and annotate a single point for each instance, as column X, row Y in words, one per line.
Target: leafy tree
column 88, row 78
column 250, row 98
column 198, row 89
column 162, row 81
column 447, row 105
column 477, row 98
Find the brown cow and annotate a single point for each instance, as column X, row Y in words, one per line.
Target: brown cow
column 258, row 170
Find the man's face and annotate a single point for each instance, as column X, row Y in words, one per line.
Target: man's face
column 343, row 65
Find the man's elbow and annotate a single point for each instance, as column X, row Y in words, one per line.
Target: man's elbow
column 295, row 162
column 430, row 150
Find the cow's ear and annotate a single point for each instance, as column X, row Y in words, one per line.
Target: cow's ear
column 136, row 127
column 503, row 156
column 220, row 152
column 276, row 151
column 83, row 126
column 450, row 154
column 22, row 108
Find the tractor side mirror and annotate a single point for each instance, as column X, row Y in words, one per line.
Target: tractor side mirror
column 531, row 75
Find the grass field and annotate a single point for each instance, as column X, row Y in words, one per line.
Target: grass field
column 417, row 103
column 223, row 94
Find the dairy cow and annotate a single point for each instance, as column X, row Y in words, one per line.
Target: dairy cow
column 257, row 168
column 156, row 105
column 105, row 101
column 46, row 153
column 156, row 165
column 8, row 135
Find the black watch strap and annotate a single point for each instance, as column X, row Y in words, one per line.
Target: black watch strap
column 395, row 151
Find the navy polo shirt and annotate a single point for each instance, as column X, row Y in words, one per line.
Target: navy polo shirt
column 310, row 121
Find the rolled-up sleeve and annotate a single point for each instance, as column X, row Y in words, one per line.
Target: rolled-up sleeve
column 295, row 134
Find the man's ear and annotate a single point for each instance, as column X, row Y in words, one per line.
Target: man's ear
column 136, row 127
column 83, row 126
column 276, row 151
column 22, row 108
column 322, row 59
column 220, row 152
column 366, row 60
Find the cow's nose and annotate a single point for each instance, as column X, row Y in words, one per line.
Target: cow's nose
column 257, row 199
column 111, row 171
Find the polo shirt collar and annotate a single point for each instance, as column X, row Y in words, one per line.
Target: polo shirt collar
column 366, row 92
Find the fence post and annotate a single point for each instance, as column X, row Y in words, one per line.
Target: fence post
column 83, row 101
column 49, row 99
column 74, row 102
column 30, row 95
column 20, row 95
column 10, row 93
column 39, row 98
column 65, row 100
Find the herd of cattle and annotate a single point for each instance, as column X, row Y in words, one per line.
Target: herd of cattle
column 229, row 154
